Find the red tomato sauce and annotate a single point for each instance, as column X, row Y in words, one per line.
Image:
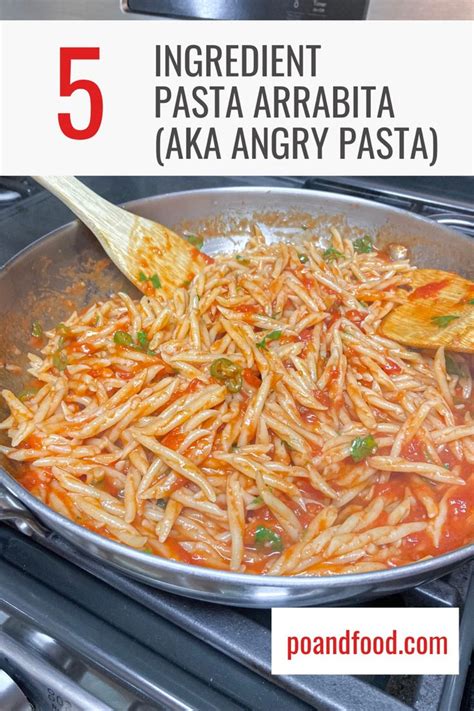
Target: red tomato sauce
column 391, row 368
column 251, row 377
column 356, row 316
column 414, row 451
column 428, row 290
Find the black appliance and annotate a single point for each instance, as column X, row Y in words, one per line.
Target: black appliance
column 253, row 9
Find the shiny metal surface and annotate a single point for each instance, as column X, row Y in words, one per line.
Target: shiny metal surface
column 64, row 679
column 71, row 250
column 113, row 10
column 252, row 9
column 49, row 688
column 11, row 696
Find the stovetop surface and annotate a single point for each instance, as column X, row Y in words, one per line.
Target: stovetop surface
column 167, row 652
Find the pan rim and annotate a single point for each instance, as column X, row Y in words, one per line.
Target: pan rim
column 156, row 562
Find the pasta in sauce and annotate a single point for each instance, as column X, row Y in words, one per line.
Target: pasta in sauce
column 256, row 421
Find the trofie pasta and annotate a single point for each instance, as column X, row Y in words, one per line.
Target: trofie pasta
column 255, row 422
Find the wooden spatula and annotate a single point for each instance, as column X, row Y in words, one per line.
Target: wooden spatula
column 151, row 256
column 438, row 312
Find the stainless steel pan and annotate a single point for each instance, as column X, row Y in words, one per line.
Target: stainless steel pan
column 67, row 269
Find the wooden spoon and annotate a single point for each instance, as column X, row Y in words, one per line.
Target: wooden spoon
column 151, row 256
column 438, row 312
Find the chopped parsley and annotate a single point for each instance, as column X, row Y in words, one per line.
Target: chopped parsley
column 153, row 279
column 195, row 241
column 36, row 330
column 303, row 258
column 363, row 245
column 122, row 338
column 272, row 336
column 443, row 321
column 142, row 340
column 363, row 447
column 331, row 254
column 266, row 537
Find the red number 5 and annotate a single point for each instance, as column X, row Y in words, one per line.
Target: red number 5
column 67, row 87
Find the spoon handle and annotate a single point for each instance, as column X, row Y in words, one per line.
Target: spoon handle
column 101, row 216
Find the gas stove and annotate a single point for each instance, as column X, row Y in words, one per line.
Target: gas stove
column 77, row 636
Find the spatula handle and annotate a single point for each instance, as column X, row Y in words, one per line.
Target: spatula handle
column 96, row 212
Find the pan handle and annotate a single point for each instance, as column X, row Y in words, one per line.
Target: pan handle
column 12, row 511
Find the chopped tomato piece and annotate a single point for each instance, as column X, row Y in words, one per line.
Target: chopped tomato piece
column 391, row 368
column 356, row 316
column 251, row 377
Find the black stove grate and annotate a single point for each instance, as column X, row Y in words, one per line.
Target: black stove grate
column 229, row 647
column 15, row 189
column 445, row 211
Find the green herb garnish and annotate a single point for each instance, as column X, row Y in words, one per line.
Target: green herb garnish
column 363, row 447
column 142, row 340
column 265, row 536
column 272, row 336
column 36, row 330
column 363, row 245
column 227, row 372
column 195, row 241
column 122, row 338
column 257, row 500
column 60, row 360
column 303, row 258
column 443, row 321
column 330, row 254
column 153, row 279
column 471, row 301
